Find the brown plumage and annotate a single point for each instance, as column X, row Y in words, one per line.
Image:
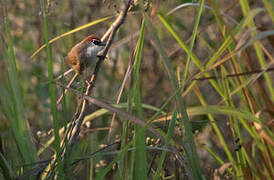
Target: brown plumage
column 83, row 53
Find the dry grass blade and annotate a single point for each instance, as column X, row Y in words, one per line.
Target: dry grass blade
column 70, row 32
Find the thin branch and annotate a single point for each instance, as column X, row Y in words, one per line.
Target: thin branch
column 127, row 75
column 126, row 116
column 110, row 34
column 69, row 84
column 74, row 129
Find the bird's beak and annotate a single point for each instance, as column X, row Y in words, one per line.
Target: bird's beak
column 101, row 44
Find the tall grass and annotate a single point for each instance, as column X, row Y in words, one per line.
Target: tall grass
column 140, row 156
column 53, row 106
column 211, row 99
column 13, row 106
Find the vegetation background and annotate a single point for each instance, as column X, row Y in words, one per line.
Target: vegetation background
column 198, row 73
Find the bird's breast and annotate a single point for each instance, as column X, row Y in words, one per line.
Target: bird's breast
column 92, row 51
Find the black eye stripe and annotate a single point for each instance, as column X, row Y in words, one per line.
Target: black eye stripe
column 96, row 42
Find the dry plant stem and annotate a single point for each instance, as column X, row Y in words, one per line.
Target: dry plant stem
column 64, row 74
column 68, row 86
column 127, row 75
column 235, row 75
column 126, row 116
column 112, row 30
column 121, row 43
column 119, row 112
column 133, row 119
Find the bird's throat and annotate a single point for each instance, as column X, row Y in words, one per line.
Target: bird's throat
column 92, row 51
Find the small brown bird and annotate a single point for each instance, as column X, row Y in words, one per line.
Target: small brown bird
column 84, row 53
column 81, row 56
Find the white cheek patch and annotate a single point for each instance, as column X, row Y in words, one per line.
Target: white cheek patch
column 92, row 51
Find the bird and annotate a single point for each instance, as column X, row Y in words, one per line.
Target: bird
column 84, row 53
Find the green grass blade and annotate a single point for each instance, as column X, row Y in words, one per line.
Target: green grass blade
column 194, row 33
column 178, row 39
column 53, row 105
column 187, row 50
column 89, row 117
column 140, row 154
column 224, row 110
column 191, row 152
column 269, row 8
column 13, row 104
column 236, row 30
column 168, row 137
column 6, row 168
column 103, row 173
column 215, row 109
column 213, row 154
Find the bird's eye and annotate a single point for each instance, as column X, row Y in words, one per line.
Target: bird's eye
column 96, row 42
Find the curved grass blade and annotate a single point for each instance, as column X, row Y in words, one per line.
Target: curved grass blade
column 71, row 32
column 236, row 30
column 191, row 152
column 187, row 50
